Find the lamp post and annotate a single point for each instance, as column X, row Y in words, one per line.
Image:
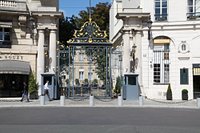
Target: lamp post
column 121, row 77
column 149, row 25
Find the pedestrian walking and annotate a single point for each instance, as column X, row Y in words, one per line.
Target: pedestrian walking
column 25, row 93
column 46, row 90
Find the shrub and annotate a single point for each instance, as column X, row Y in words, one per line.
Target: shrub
column 32, row 87
column 169, row 93
column 77, row 82
column 184, row 94
column 118, row 85
column 95, row 81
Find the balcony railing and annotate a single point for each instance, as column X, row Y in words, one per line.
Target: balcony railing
column 13, row 5
column 160, row 17
column 193, row 15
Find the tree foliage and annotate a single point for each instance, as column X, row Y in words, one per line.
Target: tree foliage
column 99, row 14
column 169, row 93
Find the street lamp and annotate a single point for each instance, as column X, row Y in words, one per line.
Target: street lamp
column 121, row 77
column 149, row 25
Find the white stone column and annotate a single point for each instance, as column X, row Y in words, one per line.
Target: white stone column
column 138, row 56
column 52, row 51
column 126, row 52
column 40, row 59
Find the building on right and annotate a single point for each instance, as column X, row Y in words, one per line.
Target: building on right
column 159, row 42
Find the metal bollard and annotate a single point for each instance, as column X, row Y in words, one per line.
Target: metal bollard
column 62, row 100
column 120, row 101
column 198, row 102
column 42, row 100
column 91, row 100
column 141, row 100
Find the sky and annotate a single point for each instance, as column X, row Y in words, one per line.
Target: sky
column 72, row 7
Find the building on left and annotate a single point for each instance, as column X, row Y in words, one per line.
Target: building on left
column 28, row 42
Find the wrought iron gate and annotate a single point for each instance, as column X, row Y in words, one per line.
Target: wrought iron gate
column 87, row 67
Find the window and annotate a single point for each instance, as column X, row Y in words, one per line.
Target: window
column 90, row 76
column 193, row 9
column 184, row 76
column 81, row 75
column 183, row 47
column 4, row 36
column 156, row 70
column 160, row 10
column 81, row 56
column 161, row 63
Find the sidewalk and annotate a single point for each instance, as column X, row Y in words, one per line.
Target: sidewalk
column 100, row 103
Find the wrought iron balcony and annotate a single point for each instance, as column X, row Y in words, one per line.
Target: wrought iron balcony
column 193, row 15
column 160, row 17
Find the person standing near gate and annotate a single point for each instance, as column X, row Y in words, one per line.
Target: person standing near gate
column 46, row 90
column 25, row 92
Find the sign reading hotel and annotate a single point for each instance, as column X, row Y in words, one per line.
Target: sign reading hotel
column 11, row 57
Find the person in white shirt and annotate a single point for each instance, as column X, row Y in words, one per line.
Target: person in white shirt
column 46, row 90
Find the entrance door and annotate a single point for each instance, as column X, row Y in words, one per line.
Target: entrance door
column 196, row 86
column 196, row 79
column 11, row 85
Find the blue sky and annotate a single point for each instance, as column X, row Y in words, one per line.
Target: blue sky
column 72, row 7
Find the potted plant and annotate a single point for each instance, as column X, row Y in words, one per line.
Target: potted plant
column 118, row 85
column 169, row 93
column 184, row 94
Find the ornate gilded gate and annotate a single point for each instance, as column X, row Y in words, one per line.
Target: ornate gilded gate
column 88, row 58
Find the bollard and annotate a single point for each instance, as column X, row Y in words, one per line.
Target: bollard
column 141, row 100
column 42, row 100
column 62, row 100
column 198, row 102
column 91, row 100
column 120, row 101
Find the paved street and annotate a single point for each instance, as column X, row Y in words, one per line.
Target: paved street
column 99, row 120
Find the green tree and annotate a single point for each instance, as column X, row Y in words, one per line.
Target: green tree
column 169, row 93
column 99, row 14
column 67, row 26
column 32, row 86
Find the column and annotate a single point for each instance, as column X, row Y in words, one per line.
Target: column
column 52, row 51
column 126, row 52
column 138, row 56
column 40, row 60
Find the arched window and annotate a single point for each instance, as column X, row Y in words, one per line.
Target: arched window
column 183, row 47
column 161, row 59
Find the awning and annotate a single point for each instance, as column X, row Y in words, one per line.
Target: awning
column 14, row 67
column 6, row 24
column 161, row 41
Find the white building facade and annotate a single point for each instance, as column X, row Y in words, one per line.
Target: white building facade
column 165, row 52
column 28, row 42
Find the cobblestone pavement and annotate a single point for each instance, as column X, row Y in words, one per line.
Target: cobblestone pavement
column 85, row 102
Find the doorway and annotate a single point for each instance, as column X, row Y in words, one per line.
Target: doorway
column 11, row 85
column 196, row 86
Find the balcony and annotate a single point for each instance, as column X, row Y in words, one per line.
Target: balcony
column 14, row 5
column 193, row 16
column 160, row 17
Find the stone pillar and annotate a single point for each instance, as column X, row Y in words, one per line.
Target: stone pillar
column 126, row 52
column 138, row 56
column 40, row 59
column 52, row 51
